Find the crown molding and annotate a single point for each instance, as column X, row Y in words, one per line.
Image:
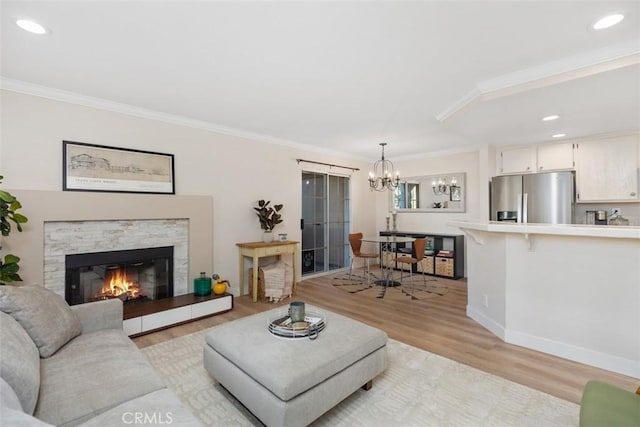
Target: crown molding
column 33, row 89
column 474, row 96
column 550, row 73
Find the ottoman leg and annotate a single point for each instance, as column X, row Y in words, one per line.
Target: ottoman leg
column 367, row 386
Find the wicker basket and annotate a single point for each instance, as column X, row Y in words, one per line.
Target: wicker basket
column 444, row 266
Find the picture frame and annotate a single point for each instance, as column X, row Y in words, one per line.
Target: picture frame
column 92, row 167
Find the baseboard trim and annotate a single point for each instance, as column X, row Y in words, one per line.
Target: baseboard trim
column 574, row 353
column 487, row 322
column 556, row 348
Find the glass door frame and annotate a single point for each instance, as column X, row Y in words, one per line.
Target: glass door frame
column 310, row 264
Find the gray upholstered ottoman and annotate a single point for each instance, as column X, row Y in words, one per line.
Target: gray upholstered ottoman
column 291, row 382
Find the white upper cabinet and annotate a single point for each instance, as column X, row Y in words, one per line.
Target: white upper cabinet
column 555, row 157
column 607, row 169
column 517, row 160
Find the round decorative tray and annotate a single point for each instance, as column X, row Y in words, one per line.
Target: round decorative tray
column 314, row 322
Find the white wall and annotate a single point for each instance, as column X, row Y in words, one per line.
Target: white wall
column 235, row 171
column 435, row 222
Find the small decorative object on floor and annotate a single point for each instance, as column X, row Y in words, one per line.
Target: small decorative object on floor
column 202, row 285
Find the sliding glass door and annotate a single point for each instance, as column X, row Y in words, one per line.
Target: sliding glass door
column 325, row 222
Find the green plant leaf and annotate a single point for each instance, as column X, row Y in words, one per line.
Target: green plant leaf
column 11, row 259
column 6, row 197
column 19, row 218
column 10, row 269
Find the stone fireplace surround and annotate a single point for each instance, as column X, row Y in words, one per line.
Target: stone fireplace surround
column 193, row 214
column 63, row 238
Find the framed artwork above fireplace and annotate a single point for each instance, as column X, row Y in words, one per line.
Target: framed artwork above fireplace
column 91, row 167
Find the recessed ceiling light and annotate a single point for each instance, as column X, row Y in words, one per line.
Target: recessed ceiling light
column 608, row 21
column 549, row 118
column 558, row 135
column 31, row 26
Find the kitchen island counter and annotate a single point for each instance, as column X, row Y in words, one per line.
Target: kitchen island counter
column 568, row 290
column 611, row 231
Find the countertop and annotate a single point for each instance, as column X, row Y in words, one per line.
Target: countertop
column 607, row 231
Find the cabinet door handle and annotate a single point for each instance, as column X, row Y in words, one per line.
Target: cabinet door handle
column 633, row 194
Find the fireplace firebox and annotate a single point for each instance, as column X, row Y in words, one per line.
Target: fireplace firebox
column 133, row 276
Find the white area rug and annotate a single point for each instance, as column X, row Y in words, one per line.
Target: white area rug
column 417, row 389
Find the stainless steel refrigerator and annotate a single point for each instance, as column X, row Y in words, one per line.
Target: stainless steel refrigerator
column 547, row 198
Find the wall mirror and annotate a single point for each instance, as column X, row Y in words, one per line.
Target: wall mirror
column 431, row 193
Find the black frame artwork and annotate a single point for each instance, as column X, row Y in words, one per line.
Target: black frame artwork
column 92, row 167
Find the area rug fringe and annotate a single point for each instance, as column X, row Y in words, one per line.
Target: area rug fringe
column 417, row 389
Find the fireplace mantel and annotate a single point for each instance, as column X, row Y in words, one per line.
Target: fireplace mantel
column 51, row 206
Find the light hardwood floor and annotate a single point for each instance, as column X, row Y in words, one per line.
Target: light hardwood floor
column 438, row 325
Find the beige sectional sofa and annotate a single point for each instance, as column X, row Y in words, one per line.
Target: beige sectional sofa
column 68, row 366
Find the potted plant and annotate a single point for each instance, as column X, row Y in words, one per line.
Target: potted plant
column 268, row 217
column 9, row 206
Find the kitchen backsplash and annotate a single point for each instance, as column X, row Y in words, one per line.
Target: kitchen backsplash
column 631, row 211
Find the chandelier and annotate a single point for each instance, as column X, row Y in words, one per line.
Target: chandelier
column 441, row 187
column 380, row 178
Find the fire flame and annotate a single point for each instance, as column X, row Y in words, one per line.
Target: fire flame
column 119, row 287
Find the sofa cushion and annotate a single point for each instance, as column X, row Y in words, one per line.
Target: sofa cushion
column 8, row 397
column 19, row 362
column 92, row 374
column 45, row 316
column 161, row 407
column 14, row 418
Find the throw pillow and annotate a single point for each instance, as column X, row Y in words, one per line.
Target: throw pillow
column 19, row 365
column 45, row 316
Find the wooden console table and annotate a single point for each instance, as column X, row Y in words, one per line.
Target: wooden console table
column 256, row 250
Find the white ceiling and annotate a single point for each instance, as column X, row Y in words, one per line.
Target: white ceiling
column 344, row 76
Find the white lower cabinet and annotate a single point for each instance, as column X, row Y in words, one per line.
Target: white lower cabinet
column 209, row 307
column 162, row 319
column 132, row 326
column 165, row 318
